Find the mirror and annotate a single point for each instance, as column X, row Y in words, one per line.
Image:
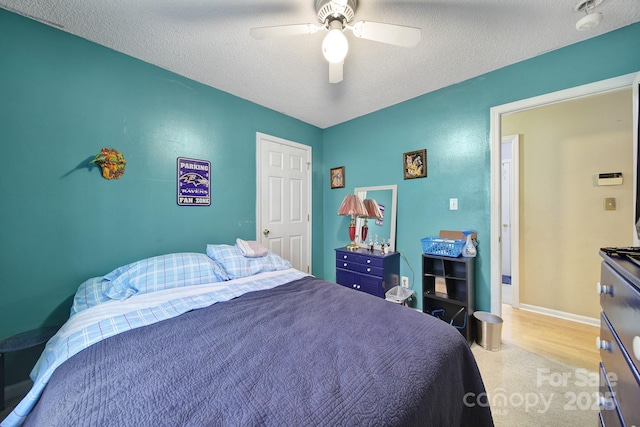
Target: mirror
column 386, row 197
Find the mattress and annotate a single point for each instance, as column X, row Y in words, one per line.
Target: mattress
column 306, row 352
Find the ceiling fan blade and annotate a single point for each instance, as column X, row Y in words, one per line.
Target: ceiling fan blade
column 398, row 35
column 335, row 71
column 276, row 31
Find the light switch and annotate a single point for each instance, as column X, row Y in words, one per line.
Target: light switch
column 610, row 204
column 453, row 204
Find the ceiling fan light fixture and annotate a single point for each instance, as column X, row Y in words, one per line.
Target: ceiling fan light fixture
column 589, row 21
column 335, row 46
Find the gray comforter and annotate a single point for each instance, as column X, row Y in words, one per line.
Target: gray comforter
column 308, row 353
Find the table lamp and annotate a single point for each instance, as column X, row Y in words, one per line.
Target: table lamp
column 373, row 211
column 352, row 205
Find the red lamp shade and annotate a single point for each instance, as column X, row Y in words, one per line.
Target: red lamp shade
column 373, row 211
column 352, row 205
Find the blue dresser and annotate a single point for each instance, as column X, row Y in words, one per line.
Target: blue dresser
column 619, row 341
column 367, row 271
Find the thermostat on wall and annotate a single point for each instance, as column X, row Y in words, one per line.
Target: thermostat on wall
column 613, row 178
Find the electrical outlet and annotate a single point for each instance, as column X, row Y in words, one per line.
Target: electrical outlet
column 453, row 204
column 405, row 282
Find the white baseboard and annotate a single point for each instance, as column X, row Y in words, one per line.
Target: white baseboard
column 17, row 390
column 561, row 314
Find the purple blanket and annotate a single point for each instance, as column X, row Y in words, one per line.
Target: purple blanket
column 308, row 353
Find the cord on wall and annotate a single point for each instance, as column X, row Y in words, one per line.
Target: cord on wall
column 413, row 276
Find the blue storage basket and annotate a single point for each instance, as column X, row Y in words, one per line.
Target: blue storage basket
column 442, row 247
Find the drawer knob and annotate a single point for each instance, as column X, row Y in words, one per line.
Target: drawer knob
column 368, row 270
column 344, row 257
column 606, row 402
column 604, row 289
column 636, row 347
column 345, row 264
column 603, row 344
column 368, row 261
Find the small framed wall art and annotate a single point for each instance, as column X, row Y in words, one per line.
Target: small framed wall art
column 415, row 164
column 337, row 177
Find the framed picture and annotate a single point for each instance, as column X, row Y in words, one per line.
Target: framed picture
column 337, row 177
column 415, row 164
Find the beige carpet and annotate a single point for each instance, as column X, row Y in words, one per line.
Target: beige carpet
column 526, row 389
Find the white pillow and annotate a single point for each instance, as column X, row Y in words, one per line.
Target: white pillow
column 251, row 248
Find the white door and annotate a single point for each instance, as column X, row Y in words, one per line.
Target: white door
column 506, row 218
column 283, row 200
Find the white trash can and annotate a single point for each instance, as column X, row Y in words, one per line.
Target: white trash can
column 488, row 330
column 399, row 295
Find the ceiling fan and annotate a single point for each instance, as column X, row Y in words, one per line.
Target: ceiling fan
column 335, row 16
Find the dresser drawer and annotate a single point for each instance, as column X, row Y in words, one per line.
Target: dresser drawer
column 623, row 377
column 621, row 301
column 359, row 258
column 360, row 282
column 360, row 268
column 609, row 414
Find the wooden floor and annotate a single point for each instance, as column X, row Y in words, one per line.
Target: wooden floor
column 559, row 339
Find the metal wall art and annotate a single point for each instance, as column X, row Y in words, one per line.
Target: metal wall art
column 194, row 182
column 111, row 161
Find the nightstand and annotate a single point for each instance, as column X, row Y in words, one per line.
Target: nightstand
column 22, row 341
column 373, row 272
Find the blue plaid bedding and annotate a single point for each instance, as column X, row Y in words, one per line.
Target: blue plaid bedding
column 85, row 329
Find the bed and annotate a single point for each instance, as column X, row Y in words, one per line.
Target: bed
column 224, row 338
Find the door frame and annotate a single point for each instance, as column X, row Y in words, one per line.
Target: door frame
column 259, row 140
column 636, row 141
column 495, row 132
column 514, row 212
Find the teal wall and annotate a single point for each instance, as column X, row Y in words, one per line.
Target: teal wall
column 453, row 125
column 62, row 99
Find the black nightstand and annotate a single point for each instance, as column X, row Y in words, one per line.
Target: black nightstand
column 22, row 341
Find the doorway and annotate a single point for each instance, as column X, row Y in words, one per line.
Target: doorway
column 496, row 165
column 283, row 199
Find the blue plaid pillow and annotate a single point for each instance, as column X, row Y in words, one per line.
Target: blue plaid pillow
column 237, row 265
column 162, row 272
column 90, row 293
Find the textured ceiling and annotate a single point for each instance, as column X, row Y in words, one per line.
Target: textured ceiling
column 208, row 41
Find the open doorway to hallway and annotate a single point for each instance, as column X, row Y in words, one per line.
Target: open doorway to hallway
column 562, row 218
column 552, row 287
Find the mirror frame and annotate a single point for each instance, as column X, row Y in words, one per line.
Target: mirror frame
column 394, row 204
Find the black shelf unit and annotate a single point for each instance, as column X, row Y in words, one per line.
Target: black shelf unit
column 448, row 291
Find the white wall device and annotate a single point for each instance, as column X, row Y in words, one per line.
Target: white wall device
column 612, row 178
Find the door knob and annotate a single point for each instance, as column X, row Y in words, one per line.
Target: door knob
column 265, row 231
